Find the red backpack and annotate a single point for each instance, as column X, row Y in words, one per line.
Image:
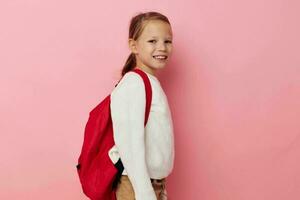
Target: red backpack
column 97, row 173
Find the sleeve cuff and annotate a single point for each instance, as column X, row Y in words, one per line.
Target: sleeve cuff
column 145, row 195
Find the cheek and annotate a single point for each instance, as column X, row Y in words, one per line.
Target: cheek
column 148, row 50
column 170, row 49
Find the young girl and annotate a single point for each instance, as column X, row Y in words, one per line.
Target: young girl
column 147, row 152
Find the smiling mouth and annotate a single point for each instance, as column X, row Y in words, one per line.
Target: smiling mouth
column 160, row 57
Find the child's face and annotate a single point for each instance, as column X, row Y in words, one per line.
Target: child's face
column 156, row 39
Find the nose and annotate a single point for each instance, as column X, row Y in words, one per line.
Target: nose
column 162, row 46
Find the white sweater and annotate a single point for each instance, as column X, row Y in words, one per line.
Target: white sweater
column 146, row 152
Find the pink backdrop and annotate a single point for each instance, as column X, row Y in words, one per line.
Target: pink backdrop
column 233, row 85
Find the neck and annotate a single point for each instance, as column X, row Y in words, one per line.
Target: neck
column 147, row 69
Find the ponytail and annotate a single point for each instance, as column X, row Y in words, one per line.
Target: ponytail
column 130, row 64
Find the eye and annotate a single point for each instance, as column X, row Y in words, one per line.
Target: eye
column 168, row 41
column 152, row 41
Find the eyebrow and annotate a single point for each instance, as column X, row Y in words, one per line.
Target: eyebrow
column 169, row 38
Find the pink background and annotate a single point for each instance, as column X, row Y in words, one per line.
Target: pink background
column 233, row 85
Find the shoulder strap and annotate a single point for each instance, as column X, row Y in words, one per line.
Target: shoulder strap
column 148, row 92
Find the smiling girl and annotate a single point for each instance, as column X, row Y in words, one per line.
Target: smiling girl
column 147, row 152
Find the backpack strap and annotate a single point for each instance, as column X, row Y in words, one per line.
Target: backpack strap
column 148, row 92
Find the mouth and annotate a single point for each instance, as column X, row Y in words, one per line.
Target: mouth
column 160, row 57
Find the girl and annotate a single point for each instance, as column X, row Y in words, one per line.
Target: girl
column 147, row 152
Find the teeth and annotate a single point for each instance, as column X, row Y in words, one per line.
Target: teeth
column 160, row 57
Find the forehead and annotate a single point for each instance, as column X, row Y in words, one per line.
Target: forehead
column 157, row 28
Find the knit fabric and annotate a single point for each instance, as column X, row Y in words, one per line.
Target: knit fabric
column 146, row 152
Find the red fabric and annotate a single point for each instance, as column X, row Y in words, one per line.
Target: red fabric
column 95, row 169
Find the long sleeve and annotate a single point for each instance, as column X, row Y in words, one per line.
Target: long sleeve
column 128, row 102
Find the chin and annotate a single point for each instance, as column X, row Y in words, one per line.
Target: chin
column 158, row 67
column 163, row 66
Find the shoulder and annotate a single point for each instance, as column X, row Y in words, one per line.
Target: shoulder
column 131, row 77
column 131, row 82
column 128, row 94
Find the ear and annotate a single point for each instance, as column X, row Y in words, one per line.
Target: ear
column 132, row 45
